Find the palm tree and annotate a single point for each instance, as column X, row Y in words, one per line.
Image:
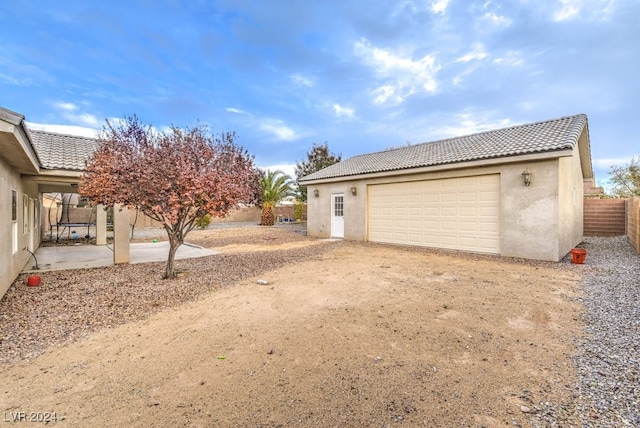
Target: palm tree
column 276, row 185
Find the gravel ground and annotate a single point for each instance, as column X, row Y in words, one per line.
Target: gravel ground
column 608, row 357
column 72, row 304
column 609, row 360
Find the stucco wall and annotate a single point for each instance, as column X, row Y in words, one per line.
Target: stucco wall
column 529, row 222
column 355, row 213
column 571, row 203
column 537, row 222
column 12, row 263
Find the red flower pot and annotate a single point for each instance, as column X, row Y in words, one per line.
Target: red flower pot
column 578, row 255
column 33, row 280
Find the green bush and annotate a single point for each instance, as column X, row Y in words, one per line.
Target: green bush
column 204, row 221
column 298, row 210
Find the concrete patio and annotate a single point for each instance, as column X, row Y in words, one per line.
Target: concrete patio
column 89, row 256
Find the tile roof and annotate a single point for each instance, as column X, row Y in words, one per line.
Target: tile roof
column 60, row 151
column 539, row 137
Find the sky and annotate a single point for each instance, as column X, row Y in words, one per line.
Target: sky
column 362, row 76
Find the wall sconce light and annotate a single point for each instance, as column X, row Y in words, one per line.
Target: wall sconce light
column 526, row 177
column 316, row 192
column 354, row 191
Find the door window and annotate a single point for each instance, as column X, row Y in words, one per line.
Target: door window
column 338, row 206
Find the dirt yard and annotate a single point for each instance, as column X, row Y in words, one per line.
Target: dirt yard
column 350, row 335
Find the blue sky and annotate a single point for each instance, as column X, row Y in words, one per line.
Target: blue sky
column 361, row 75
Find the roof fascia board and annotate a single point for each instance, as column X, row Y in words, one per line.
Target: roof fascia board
column 48, row 174
column 28, row 146
column 30, row 161
column 584, row 147
column 444, row 167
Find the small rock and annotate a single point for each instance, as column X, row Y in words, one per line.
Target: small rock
column 262, row 282
column 525, row 409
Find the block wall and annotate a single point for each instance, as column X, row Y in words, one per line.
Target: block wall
column 605, row 217
column 633, row 222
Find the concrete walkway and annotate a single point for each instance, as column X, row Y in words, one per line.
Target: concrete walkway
column 89, row 256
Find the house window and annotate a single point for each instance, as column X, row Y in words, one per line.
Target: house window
column 36, row 216
column 14, row 205
column 14, row 222
column 25, row 214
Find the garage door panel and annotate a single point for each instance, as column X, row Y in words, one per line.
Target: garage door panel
column 448, row 211
column 490, row 212
column 468, row 226
column 467, row 197
column 457, row 213
column 430, row 211
column 448, row 197
column 488, row 196
column 448, row 225
column 431, row 224
column 484, row 226
column 415, row 211
column 471, row 212
column 414, row 224
column 449, row 240
column 468, row 241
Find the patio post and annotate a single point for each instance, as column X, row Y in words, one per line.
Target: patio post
column 101, row 225
column 121, row 250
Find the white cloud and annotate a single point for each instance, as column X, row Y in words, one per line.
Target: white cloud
column 477, row 53
column 5, row 78
column 86, row 119
column 594, row 9
column 607, row 163
column 439, row 6
column 235, row 110
column 64, row 129
column 278, row 129
column 467, row 123
column 497, row 20
column 68, row 111
column 301, row 80
column 342, row 111
column 288, row 169
column 66, row 106
column 511, row 58
column 569, row 9
column 384, row 93
column 403, row 75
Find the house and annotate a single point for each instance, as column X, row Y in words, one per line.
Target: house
column 515, row 192
column 31, row 163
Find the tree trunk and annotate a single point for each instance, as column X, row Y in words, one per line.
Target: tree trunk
column 174, row 243
column 268, row 218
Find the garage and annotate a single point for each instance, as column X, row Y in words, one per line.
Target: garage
column 514, row 191
column 455, row 213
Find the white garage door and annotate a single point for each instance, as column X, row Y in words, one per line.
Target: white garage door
column 455, row 213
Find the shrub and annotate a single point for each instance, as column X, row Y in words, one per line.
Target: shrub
column 204, row 221
column 298, row 210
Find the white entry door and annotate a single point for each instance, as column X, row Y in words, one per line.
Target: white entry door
column 337, row 215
